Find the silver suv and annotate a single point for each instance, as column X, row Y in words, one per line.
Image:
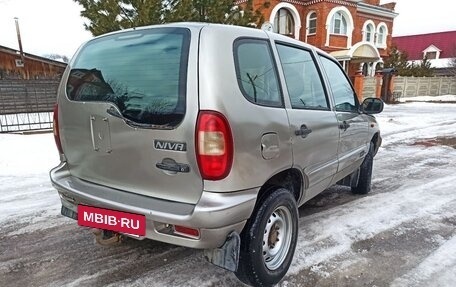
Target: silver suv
column 208, row 136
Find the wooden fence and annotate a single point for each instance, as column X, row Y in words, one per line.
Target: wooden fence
column 27, row 104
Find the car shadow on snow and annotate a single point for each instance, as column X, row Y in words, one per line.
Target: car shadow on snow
column 332, row 197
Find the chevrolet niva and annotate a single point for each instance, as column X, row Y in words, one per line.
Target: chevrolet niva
column 208, row 136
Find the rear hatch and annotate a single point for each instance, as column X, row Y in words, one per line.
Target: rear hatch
column 128, row 106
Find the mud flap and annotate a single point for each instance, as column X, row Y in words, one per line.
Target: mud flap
column 354, row 178
column 227, row 256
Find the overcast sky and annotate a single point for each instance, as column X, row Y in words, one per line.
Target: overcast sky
column 55, row 26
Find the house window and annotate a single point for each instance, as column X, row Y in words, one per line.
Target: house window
column 312, row 23
column 284, row 23
column 339, row 24
column 381, row 36
column 369, row 33
column 431, row 55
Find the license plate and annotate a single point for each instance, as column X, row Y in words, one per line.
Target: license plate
column 123, row 222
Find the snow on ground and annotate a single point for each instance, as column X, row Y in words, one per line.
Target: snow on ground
column 26, row 194
column 401, row 234
column 441, row 262
column 443, row 98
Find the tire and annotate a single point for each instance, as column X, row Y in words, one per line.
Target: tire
column 365, row 173
column 266, row 252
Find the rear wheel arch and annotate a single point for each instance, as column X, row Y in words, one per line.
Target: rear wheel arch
column 290, row 179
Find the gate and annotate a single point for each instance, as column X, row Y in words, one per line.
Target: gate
column 27, row 105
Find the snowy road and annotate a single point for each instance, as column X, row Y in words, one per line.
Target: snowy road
column 401, row 234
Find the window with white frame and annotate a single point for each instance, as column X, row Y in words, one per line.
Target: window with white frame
column 382, row 33
column 284, row 22
column 339, row 24
column 369, row 33
column 431, row 52
column 312, row 23
column 431, row 55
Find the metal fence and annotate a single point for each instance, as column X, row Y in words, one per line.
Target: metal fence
column 27, row 104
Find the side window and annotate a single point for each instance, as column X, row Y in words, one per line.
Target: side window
column 303, row 80
column 343, row 93
column 256, row 72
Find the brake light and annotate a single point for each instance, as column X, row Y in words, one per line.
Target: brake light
column 214, row 145
column 55, row 127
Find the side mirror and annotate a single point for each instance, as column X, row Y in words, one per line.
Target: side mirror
column 372, row 106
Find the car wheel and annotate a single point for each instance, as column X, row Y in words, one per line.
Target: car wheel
column 268, row 240
column 365, row 173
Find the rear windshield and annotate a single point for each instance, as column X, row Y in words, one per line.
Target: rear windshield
column 144, row 73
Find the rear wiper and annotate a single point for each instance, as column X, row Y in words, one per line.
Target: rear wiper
column 115, row 112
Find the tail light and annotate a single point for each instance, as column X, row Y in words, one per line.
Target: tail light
column 55, row 125
column 214, row 145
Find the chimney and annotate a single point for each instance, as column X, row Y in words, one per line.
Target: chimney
column 19, row 39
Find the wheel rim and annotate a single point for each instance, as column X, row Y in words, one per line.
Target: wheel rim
column 277, row 238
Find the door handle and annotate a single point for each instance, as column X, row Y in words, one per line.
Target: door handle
column 304, row 131
column 170, row 165
column 344, row 125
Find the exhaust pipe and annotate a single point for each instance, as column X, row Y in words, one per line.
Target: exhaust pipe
column 107, row 237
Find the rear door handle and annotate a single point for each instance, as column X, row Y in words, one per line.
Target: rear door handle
column 170, row 165
column 304, row 131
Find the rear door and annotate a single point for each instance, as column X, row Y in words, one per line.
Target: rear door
column 128, row 113
column 313, row 124
column 352, row 124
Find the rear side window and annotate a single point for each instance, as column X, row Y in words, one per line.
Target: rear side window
column 304, row 83
column 144, row 73
column 256, row 72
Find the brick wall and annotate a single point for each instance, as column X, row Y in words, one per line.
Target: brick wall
column 322, row 8
column 338, row 41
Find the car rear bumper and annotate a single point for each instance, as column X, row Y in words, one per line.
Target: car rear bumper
column 215, row 214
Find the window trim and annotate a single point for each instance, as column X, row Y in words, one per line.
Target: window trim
column 294, row 12
column 236, row 44
column 311, row 18
column 357, row 103
column 288, row 17
column 373, row 31
column 319, row 71
column 384, row 37
column 333, row 24
column 350, row 25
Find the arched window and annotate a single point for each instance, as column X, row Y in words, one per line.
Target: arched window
column 284, row 23
column 382, row 33
column 339, row 24
column 312, row 23
column 369, row 33
column 381, row 36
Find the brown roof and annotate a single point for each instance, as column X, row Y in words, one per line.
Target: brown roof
column 31, row 56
